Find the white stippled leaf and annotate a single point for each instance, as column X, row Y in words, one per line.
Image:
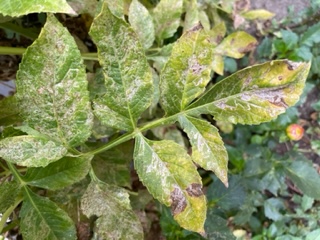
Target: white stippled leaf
column 168, row 172
column 15, row 8
column 31, row 151
column 128, row 78
column 52, row 87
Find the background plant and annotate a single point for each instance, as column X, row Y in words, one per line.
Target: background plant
column 77, row 144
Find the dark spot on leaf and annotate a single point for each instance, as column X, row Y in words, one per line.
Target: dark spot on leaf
column 280, row 78
column 279, row 101
column 194, row 190
column 196, row 27
column 218, row 39
column 232, row 41
column 248, row 48
column 292, row 65
column 179, row 202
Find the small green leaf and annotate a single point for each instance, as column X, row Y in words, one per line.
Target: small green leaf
column 290, row 39
column 166, row 16
column 52, row 86
column 59, row 174
column 272, row 208
column 111, row 205
column 8, row 193
column 141, row 21
column 9, row 111
column 236, row 45
column 161, row 58
column 128, row 78
column 254, row 95
column 43, row 219
column 31, row 151
column 311, row 36
column 305, row 177
column 257, row 14
column 207, row 146
column 15, row 8
column 187, row 72
column 167, row 171
column 112, row 166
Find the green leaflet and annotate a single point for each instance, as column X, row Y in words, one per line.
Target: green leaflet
column 43, row 219
column 187, row 71
column 236, row 45
column 128, row 78
column 305, row 177
column 60, row 174
column 192, row 15
column 31, row 151
column 8, row 193
column 254, row 95
column 15, row 8
column 111, row 205
column 52, row 87
column 9, row 111
column 207, row 146
column 166, row 17
column 141, row 21
column 171, row 177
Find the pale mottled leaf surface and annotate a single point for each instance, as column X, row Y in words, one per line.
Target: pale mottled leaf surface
column 254, row 95
column 142, row 23
column 128, row 79
column 16, row 8
column 187, row 71
column 166, row 16
column 257, row 14
column 52, row 86
column 8, row 193
column 42, row 219
column 207, row 146
column 31, row 151
column 168, row 172
column 59, row 174
column 192, row 15
column 111, row 205
column 236, row 45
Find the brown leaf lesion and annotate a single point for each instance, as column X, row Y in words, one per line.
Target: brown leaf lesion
column 179, row 202
column 194, row 190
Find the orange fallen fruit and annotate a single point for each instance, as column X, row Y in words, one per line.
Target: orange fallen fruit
column 295, row 132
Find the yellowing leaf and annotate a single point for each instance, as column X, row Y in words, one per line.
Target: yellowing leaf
column 258, row 14
column 236, row 45
column 254, row 95
column 187, row 71
column 207, row 146
column 192, row 15
column 128, row 78
column 171, row 177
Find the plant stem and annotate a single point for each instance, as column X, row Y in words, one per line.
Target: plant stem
column 20, row 51
column 16, row 174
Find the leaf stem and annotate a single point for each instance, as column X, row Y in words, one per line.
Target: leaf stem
column 20, row 51
column 16, row 174
column 128, row 136
column 8, row 212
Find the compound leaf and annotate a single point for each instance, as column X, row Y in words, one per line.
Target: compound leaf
column 166, row 16
column 305, row 177
column 142, row 23
column 128, row 78
column 111, row 205
column 31, row 151
column 254, row 95
column 236, row 45
column 15, row 8
column 59, row 174
column 52, row 86
column 43, row 219
column 187, row 71
column 207, row 146
column 171, row 177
